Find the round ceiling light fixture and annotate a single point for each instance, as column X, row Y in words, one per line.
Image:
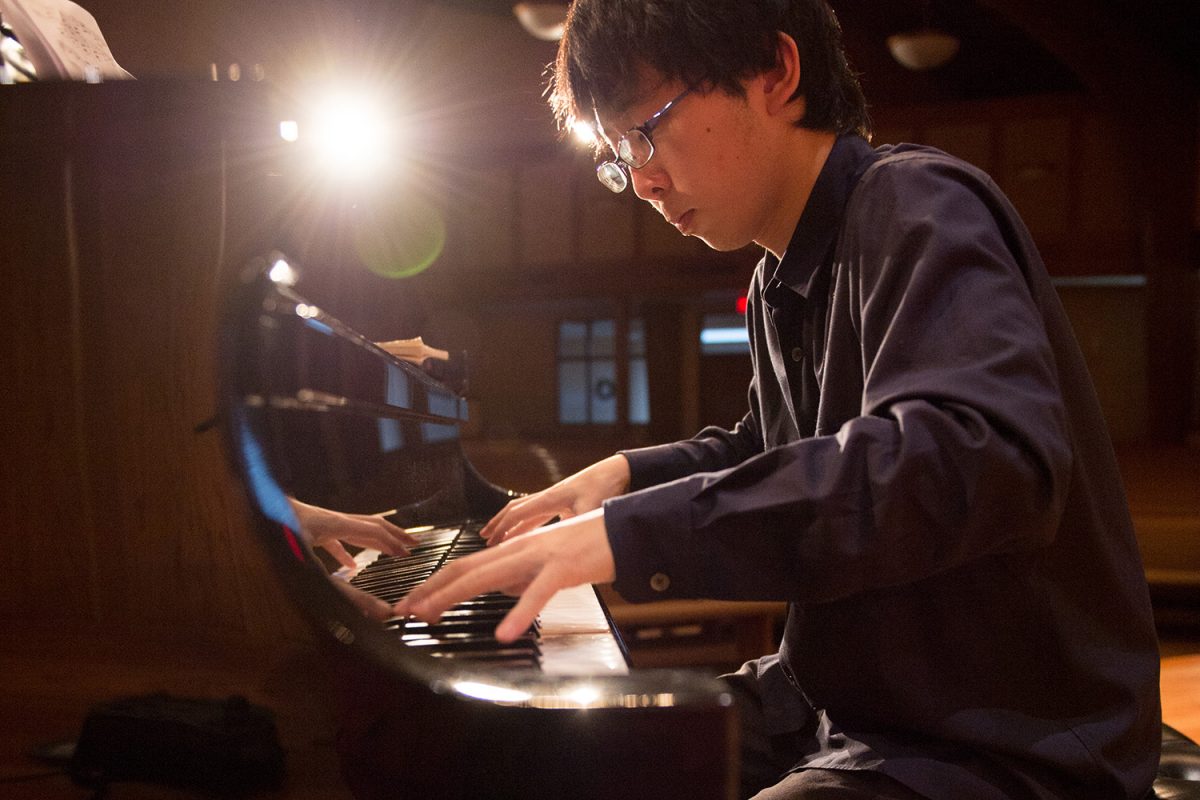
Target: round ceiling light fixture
column 923, row 49
column 544, row 21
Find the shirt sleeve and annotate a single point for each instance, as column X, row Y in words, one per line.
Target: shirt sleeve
column 958, row 452
column 710, row 450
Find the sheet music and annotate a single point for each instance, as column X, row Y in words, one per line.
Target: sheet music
column 62, row 40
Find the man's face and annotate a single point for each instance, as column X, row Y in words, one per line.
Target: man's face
column 706, row 176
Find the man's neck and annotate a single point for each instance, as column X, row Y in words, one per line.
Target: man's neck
column 801, row 158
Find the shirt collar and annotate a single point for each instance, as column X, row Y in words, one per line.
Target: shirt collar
column 820, row 221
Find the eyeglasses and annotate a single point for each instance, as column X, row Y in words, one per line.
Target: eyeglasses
column 634, row 150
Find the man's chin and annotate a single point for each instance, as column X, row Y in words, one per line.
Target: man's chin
column 720, row 245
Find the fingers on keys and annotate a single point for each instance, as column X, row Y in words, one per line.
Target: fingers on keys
column 504, row 570
column 339, row 553
column 377, row 532
column 520, row 516
column 532, row 601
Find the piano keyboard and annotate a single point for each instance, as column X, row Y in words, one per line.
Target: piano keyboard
column 570, row 637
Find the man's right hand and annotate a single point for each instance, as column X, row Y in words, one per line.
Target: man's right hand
column 584, row 491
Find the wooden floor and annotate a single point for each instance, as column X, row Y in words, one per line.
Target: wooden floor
column 1181, row 694
column 1163, row 486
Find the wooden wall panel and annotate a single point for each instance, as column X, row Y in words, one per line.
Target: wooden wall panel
column 1110, row 325
column 607, row 222
column 481, row 224
column 122, row 518
column 1035, row 173
column 973, row 142
column 1101, row 197
column 892, row 134
column 546, row 213
column 515, row 373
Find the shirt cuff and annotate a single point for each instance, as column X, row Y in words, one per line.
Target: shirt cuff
column 651, row 465
column 654, row 550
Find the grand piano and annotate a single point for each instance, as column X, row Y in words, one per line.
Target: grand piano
column 316, row 412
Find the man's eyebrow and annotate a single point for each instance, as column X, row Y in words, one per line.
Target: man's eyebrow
column 629, row 100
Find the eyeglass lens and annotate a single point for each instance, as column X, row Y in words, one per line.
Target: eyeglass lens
column 612, row 176
column 635, row 149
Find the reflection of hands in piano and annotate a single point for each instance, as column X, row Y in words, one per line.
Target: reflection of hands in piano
column 582, row 492
column 535, row 567
column 327, row 529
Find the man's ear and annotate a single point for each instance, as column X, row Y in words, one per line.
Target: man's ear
column 779, row 83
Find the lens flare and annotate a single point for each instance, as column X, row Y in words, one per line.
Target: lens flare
column 401, row 237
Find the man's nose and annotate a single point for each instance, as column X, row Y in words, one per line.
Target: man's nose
column 650, row 181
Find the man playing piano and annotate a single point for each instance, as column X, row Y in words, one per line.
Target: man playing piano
column 923, row 473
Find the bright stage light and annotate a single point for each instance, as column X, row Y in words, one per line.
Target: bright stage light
column 352, row 135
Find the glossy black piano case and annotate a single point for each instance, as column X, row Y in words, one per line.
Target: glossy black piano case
column 411, row 725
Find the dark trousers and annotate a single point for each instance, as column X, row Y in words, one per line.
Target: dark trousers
column 768, row 759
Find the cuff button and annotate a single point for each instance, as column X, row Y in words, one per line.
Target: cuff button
column 659, row 582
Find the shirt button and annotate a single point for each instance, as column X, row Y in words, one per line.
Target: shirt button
column 797, row 354
column 659, row 582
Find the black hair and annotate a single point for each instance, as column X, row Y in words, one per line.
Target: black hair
column 706, row 44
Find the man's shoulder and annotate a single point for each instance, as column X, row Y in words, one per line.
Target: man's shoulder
column 904, row 162
column 912, row 181
column 908, row 186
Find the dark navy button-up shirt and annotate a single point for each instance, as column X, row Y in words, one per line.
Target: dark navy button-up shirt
column 925, row 475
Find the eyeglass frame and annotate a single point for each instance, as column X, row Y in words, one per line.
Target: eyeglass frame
column 617, row 169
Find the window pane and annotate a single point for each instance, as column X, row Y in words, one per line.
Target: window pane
column 639, row 392
column 572, row 340
column 603, row 331
column 604, row 391
column 723, row 334
column 572, row 392
column 637, row 338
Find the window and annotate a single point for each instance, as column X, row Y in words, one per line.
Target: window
column 724, row 334
column 639, row 381
column 587, row 373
